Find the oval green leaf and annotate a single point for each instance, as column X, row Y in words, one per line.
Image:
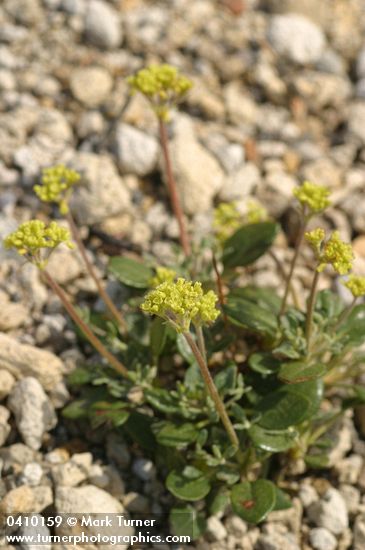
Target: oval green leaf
column 296, row 371
column 282, row 409
column 248, row 243
column 274, row 441
column 130, row 272
column 187, row 489
column 186, row 521
column 251, row 317
column 263, row 363
column 253, row 501
column 172, row 435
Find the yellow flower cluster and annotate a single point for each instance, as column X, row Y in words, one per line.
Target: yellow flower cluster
column 163, row 85
column 332, row 252
column 163, row 275
column 32, row 236
column 356, row 285
column 313, row 196
column 57, row 182
column 181, row 303
column 315, row 238
column 256, row 212
column 226, row 219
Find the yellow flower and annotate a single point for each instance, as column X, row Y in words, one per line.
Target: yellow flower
column 163, row 85
column 356, row 285
column 226, row 219
column 33, row 236
column 256, row 212
column 56, row 186
column 313, row 196
column 181, row 303
column 163, row 275
column 336, row 253
column 315, row 238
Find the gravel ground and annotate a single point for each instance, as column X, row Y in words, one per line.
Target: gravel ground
column 279, row 96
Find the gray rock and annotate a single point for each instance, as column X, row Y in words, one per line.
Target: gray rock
column 215, row 529
column 349, row 469
column 70, row 500
column 34, row 413
column 360, row 89
column 236, row 526
column 277, row 541
column 12, row 314
column 241, row 184
column 91, row 85
column 68, row 474
column 198, row 174
column 330, row 512
column 308, row 495
column 7, row 381
column 103, row 193
column 321, row 539
column 351, row 496
column 296, row 37
column 136, row 152
column 102, row 25
column 144, row 469
column 136, row 503
column 25, row 360
column 25, row 12
column 73, row 7
column 39, row 530
column 230, row 155
column 18, row 454
column 4, row 426
column 117, row 451
column 32, row 474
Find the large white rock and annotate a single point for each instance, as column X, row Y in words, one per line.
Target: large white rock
column 102, row 25
column 297, row 38
column 33, row 411
column 198, row 174
column 91, row 85
column 103, row 194
column 330, row 512
column 25, row 360
column 136, row 152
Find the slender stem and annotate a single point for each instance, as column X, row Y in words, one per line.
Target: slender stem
column 346, row 312
column 172, row 187
column 201, row 342
column 219, row 281
column 293, row 264
column 90, row 268
column 117, row 365
column 283, row 274
column 310, row 310
column 213, row 390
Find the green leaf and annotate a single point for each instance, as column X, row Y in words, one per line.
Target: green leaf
column 77, row 409
column 187, row 489
column 248, row 243
column 225, row 380
column 317, row 461
column 297, row 371
column 80, row 376
column 329, row 304
column 109, row 412
column 283, row 501
column 172, row 435
column 130, row 272
column 138, row 426
column 274, row 441
column 253, row 501
column 266, row 298
column 159, row 332
column 184, row 349
column 353, row 329
column 251, row 317
column 186, row 521
column 263, row 363
column 219, row 502
column 281, row 409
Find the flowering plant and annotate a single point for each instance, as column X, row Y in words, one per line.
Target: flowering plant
column 213, row 377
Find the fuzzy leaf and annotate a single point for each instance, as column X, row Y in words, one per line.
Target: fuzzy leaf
column 172, row 435
column 248, row 243
column 253, row 501
column 274, row 441
column 296, row 371
column 251, row 317
column 187, row 489
column 130, row 272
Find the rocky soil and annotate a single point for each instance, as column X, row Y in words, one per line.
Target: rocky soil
column 279, row 96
